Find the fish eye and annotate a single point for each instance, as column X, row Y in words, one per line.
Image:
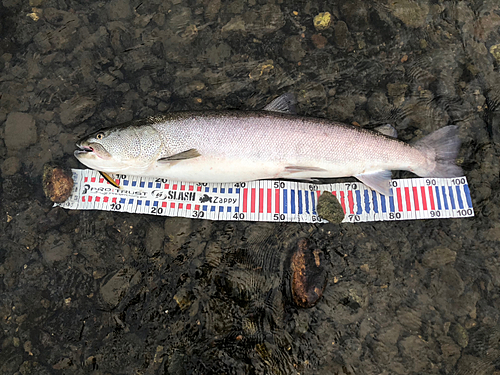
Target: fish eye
column 99, row 136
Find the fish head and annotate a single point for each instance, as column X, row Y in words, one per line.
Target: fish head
column 129, row 149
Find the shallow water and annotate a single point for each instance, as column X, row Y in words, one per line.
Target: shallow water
column 114, row 293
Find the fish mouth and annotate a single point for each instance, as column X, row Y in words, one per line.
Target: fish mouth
column 83, row 149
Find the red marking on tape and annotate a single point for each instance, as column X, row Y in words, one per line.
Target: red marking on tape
column 86, row 179
column 342, row 201
column 351, row 201
column 172, row 205
column 431, row 197
column 261, row 200
column 183, row 187
column 424, row 200
column 197, row 207
column 117, row 181
column 198, row 188
column 106, row 199
column 269, row 201
column 97, row 199
column 83, row 198
column 188, row 206
column 245, row 199
column 174, row 187
column 415, row 198
column 101, row 180
column 90, row 198
column 164, row 204
column 167, row 186
column 252, row 201
column 400, row 201
column 277, row 201
column 113, row 200
column 191, row 187
column 181, row 205
column 408, row 201
column 92, row 179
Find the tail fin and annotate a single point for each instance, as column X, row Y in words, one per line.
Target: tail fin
column 441, row 147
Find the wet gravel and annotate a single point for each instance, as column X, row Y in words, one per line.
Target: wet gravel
column 115, row 293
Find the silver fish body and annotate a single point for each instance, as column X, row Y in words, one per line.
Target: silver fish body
column 233, row 146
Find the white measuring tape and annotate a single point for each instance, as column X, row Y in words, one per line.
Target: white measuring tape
column 270, row 200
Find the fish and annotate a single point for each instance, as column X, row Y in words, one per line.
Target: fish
column 274, row 143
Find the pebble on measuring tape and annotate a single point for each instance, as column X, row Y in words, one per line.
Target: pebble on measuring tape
column 329, row 208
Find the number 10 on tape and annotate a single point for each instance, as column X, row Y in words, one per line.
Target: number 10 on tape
column 270, row 200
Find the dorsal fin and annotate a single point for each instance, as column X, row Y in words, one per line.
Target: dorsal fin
column 387, row 129
column 283, row 104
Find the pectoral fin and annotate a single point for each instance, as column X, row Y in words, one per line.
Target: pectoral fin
column 108, row 178
column 188, row 154
column 378, row 181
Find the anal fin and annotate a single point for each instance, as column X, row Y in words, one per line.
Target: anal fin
column 299, row 168
column 378, row 181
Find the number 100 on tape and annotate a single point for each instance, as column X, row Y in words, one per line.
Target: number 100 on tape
column 271, row 200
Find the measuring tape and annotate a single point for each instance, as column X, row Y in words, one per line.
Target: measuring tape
column 270, row 200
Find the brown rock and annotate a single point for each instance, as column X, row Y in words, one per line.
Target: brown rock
column 57, row 183
column 308, row 278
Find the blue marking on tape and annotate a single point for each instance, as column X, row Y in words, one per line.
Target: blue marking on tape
column 134, row 183
column 229, row 209
column 155, row 203
column 452, row 199
column 237, row 190
column 130, row 201
column 292, row 197
column 158, row 185
column 459, row 198
column 236, row 209
column 285, row 204
column 382, row 203
column 212, row 208
column 207, row 190
column 214, row 190
column 313, row 203
column 141, row 184
column 147, row 203
column 125, row 182
column 358, row 202
column 367, row 201
column 467, row 195
column 122, row 200
column 391, row 202
column 221, row 209
column 443, row 190
column 139, row 202
column 306, row 198
column 150, row 185
column 299, row 196
column 222, row 190
column 375, row 202
column 438, row 197
column 204, row 208
column 230, row 190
